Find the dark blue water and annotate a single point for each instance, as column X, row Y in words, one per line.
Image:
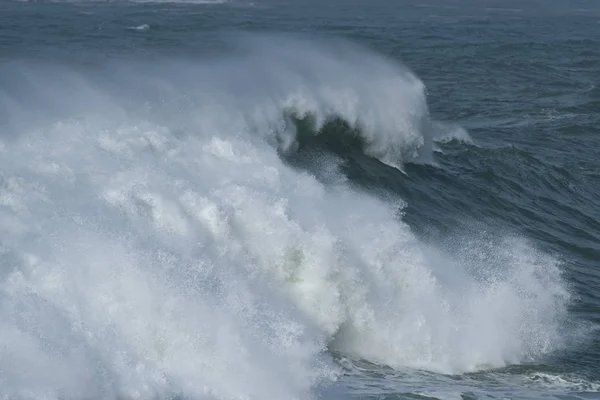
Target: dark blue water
column 299, row 199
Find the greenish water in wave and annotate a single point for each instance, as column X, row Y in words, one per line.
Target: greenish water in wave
column 512, row 93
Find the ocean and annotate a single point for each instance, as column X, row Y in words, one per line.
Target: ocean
column 299, row 199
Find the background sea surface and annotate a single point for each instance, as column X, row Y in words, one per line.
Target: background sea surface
column 280, row 199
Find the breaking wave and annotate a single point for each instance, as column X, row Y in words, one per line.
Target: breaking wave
column 155, row 240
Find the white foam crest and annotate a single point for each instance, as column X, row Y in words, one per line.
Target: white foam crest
column 154, row 243
column 446, row 132
column 568, row 382
column 143, row 27
column 200, row 2
column 208, row 2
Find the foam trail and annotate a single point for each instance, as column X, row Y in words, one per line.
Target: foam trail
column 154, row 242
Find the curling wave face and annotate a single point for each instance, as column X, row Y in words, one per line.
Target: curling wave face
column 154, row 241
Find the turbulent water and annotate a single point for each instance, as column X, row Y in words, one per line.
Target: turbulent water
column 280, row 199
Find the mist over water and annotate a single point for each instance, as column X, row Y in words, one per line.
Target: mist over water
column 155, row 240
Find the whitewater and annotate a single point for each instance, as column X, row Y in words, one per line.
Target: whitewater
column 158, row 237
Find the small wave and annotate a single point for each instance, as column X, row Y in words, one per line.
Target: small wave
column 200, row 2
column 562, row 382
column 447, row 132
column 143, row 27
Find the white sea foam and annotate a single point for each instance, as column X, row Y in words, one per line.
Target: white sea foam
column 153, row 242
column 143, row 27
column 205, row 2
column 208, row 2
column 552, row 382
